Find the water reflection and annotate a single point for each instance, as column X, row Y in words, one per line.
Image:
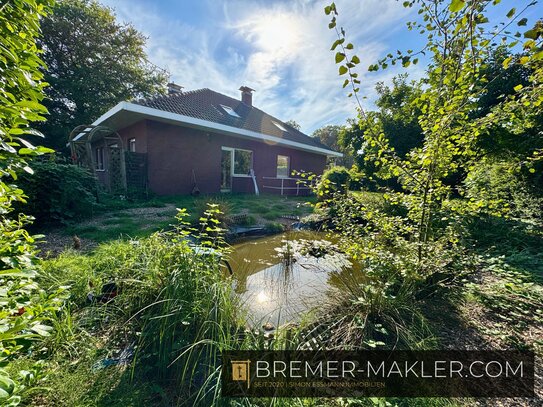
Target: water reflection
column 282, row 276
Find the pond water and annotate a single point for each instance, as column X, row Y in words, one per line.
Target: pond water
column 281, row 277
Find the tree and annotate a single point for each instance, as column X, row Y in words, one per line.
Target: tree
column 503, row 73
column 93, row 63
column 397, row 117
column 459, row 44
column 330, row 136
column 411, row 247
column 294, row 124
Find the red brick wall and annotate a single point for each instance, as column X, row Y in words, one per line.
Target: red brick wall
column 173, row 152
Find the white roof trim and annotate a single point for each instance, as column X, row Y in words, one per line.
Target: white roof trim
column 205, row 124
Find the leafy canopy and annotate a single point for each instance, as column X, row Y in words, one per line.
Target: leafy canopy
column 93, row 62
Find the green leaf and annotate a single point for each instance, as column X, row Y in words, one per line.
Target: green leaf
column 26, row 151
column 532, row 34
column 343, row 70
column 522, row 22
column 456, row 5
column 336, row 43
column 355, row 59
column 518, row 88
column 506, row 62
column 42, row 330
column 339, row 57
column 511, row 12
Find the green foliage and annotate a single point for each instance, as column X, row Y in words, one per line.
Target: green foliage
column 497, row 188
column 93, row 63
column 274, row 227
column 512, row 299
column 333, row 181
column 414, row 251
column 222, row 204
column 330, row 136
column 173, row 301
column 358, row 179
column 24, row 308
column 397, row 118
column 294, row 124
column 58, row 192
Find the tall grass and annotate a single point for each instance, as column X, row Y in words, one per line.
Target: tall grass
column 174, row 306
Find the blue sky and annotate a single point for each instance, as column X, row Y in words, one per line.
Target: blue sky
column 279, row 48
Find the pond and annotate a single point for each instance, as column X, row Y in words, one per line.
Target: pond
column 281, row 277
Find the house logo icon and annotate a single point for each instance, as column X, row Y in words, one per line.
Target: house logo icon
column 240, row 371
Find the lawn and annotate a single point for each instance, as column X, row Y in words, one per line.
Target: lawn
column 140, row 218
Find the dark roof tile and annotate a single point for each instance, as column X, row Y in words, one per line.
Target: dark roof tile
column 205, row 104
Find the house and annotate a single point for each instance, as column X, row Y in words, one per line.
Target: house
column 198, row 141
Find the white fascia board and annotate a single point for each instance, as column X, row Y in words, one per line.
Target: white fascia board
column 111, row 112
column 205, row 124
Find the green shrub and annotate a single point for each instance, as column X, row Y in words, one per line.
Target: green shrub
column 358, row 180
column 58, row 193
column 498, row 189
column 333, row 181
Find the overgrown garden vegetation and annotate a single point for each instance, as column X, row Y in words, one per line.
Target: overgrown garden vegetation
column 450, row 240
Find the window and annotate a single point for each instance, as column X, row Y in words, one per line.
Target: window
column 236, row 162
column 243, row 162
column 100, row 158
column 230, row 111
column 132, row 145
column 280, row 126
column 283, row 166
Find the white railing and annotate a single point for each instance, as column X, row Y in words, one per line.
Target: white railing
column 284, row 188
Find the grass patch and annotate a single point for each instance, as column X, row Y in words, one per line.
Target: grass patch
column 140, row 219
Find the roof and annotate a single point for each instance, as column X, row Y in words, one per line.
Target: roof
column 201, row 109
column 205, row 104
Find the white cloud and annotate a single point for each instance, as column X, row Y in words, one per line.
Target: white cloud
column 282, row 50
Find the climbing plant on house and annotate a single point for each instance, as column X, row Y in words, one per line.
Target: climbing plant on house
column 23, row 307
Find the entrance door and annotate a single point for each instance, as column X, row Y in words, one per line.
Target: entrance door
column 226, row 171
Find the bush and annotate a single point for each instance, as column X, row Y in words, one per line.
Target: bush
column 58, row 192
column 359, row 181
column 333, row 181
column 499, row 189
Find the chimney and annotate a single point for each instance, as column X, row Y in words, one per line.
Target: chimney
column 247, row 95
column 174, row 89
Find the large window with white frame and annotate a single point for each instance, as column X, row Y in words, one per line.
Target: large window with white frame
column 239, row 161
column 283, row 166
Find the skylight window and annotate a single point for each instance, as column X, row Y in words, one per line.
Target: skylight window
column 230, row 111
column 280, row 126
